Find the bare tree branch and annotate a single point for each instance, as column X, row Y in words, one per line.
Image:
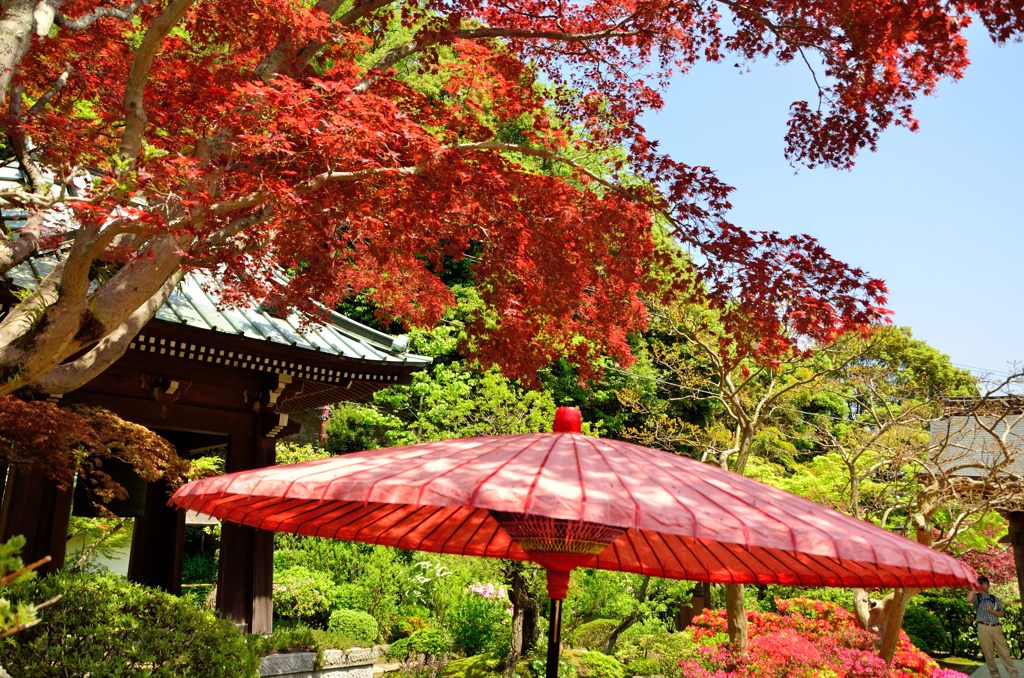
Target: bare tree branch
column 422, row 42
column 55, row 87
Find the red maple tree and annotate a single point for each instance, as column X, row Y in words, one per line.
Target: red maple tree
column 248, row 136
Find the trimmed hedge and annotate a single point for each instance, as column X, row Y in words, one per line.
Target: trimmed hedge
column 105, row 625
column 355, row 624
column 427, row 641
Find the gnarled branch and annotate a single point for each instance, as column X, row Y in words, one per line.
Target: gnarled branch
column 88, row 19
column 82, row 370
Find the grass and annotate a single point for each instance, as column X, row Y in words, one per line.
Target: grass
column 961, row 664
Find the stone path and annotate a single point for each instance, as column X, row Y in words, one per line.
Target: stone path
column 982, row 671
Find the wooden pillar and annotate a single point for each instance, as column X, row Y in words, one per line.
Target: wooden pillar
column 246, row 568
column 158, row 541
column 34, row 506
column 1016, row 525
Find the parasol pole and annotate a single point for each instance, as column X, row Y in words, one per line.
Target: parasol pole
column 558, row 587
column 554, row 637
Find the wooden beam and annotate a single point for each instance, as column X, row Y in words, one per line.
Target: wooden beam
column 190, row 444
column 246, row 567
column 158, row 541
column 172, row 416
column 34, row 506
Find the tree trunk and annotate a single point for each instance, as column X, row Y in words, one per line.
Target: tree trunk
column 524, row 616
column 20, row 19
column 736, row 615
column 735, row 610
column 613, row 638
column 862, row 608
column 686, row 613
column 890, row 631
column 704, row 591
column 883, row 617
column 1016, row 534
column 632, row 618
column 515, row 651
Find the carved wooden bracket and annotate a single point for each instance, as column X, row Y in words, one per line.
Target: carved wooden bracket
column 282, row 422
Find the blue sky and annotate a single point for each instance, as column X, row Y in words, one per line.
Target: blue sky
column 937, row 214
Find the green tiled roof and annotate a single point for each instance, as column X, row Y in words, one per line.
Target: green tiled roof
column 195, row 304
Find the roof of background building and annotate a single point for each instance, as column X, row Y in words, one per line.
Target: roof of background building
column 975, row 444
column 196, row 303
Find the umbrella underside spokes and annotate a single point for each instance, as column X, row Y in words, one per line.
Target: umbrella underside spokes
column 479, row 532
column 543, row 534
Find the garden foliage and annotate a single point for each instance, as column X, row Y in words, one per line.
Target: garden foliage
column 925, row 630
column 428, row 642
column 599, row 665
column 480, row 620
column 593, row 634
column 108, row 626
column 355, row 624
column 805, row 638
column 304, row 595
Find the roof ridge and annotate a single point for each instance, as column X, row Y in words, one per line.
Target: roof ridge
column 183, row 307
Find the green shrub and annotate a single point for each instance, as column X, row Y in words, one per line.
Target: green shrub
column 765, row 599
column 1013, row 627
column 354, row 597
column 355, row 624
column 599, row 665
column 356, row 570
column 480, row 624
column 199, row 594
column 300, row 639
column 304, row 596
column 656, row 645
column 108, row 626
column 428, row 642
column 636, row 641
column 599, row 594
column 670, row 648
column 285, row 639
column 924, row 630
column 198, row 568
column 593, row 634
column 643, row 667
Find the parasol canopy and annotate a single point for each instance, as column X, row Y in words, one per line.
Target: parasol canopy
column 567, row 500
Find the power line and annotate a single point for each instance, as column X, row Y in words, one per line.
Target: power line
column 713, row 394
column 985, row 370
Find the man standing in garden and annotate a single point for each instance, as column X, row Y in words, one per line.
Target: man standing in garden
column 988, row 610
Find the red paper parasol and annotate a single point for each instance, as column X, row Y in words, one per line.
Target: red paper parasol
column 566, row 500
